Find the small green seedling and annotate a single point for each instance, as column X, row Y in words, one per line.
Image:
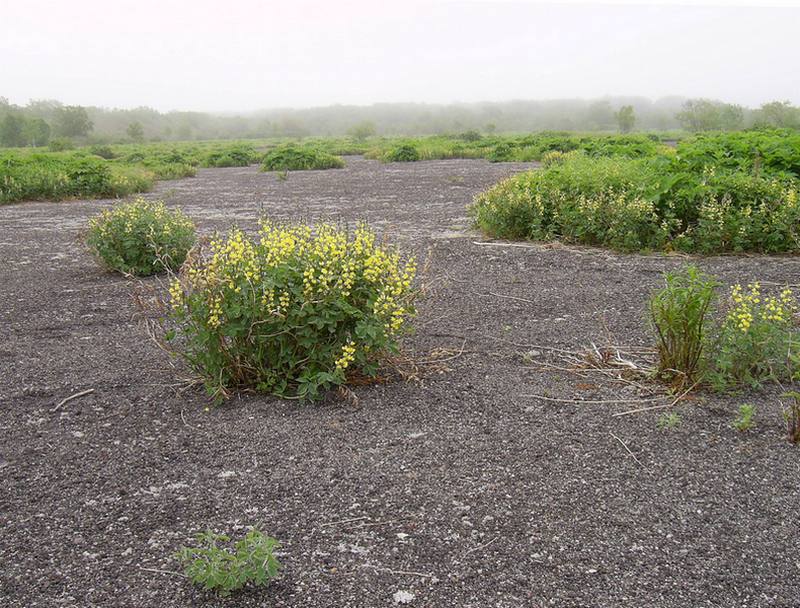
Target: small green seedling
column 669, row 421
column 218, row 569
column 744, row 421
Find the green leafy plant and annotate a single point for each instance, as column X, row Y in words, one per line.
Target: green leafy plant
column 662, row 202
column 141, row 237
column 756, row 340
column 295, row 158
column 218, row 569
column 401, row 154
column 744, row 421
column 678, row 314
column 669, row 421
column 293, row 313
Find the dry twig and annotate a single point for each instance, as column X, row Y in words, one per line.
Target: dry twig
column 70, row 398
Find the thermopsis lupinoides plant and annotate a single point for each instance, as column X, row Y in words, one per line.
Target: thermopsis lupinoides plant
column 293, row 312
column 755, row 339
column 223, row 571
column 141, row 237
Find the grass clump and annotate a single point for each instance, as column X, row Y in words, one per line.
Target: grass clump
column 295, row 158
column 223, row 571
column 141, row 237
column 292, row 313
column 678, row 314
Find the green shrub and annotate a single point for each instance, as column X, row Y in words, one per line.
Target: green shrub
column 295, row 158
column 218, row 569
column 233, row 156
column 126, row 180
column 678, row 315
column 102, row 151
column 553, row 157
column 404, row 153
column 141, row 238
column 59, row 144
column 292, row 313
column 644, row 204
column 756, row 340
column 502, row 152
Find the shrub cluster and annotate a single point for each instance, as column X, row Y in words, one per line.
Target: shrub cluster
column 292, row 313
column 56, row 177
column 767, row 151
column 232, row 156
column 404, row 153
column 753, row 337
column 645, row 204
column 297, row 158
column 141, row 237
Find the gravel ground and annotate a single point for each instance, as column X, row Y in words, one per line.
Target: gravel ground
column 461, row 488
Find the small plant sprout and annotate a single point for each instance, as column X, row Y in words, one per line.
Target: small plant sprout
column 669, row 421
column 217, row 568
column 744, row 421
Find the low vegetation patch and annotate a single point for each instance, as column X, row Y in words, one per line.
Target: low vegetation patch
column 62, row 176
column 294, row 312
column 141, row 238
column 645, row 204
column 401, row 154
column 224, row 570
column 751, row 339
column 297, row 158
column 232, row 156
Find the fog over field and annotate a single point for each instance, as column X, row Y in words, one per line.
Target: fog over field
column 250, row 55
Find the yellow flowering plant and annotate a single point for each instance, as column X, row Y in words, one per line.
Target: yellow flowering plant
column 756, row 339
column 141, row 237
column 292, row 312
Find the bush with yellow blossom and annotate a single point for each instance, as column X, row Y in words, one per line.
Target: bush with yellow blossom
column 292, row 312
column 757, row 338
column 141, row 237
column 752, row 340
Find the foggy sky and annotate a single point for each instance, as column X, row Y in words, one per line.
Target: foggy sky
column 244, row 54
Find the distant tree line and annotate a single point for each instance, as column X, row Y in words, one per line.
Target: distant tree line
column 43, row 122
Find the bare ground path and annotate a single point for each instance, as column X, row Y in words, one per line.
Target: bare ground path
column 457, row 488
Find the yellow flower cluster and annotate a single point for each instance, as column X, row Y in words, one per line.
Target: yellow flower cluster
column 329, row 264
column 176, row 294
column 129, row 214
column 348, row 356
column 215, row 310
column 749, row 306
